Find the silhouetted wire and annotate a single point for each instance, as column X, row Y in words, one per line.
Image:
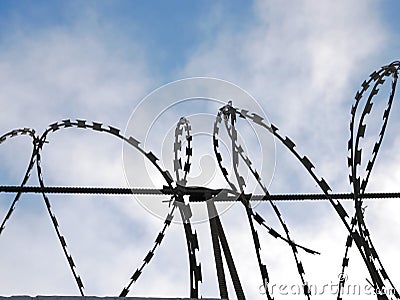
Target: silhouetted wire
column 178, row 188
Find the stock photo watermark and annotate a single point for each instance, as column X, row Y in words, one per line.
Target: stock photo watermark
column 341, row 286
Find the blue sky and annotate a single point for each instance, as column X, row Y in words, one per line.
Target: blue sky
column 167, row 31
column 96, row 60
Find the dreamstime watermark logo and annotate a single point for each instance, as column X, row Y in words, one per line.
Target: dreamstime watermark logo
column 196, row 100
column 341, row 286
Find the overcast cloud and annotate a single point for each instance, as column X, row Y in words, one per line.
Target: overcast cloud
column 302, row 62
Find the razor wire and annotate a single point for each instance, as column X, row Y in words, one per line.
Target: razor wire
column 4, row 138
column 227, row 113
column 195, row 272
column 176, row 188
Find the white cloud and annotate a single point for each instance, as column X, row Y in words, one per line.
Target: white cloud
column 71, row 73
column 302, row 61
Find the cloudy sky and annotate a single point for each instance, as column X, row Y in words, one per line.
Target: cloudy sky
column 302, row 61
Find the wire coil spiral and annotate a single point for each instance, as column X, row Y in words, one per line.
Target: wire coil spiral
column 177, row 187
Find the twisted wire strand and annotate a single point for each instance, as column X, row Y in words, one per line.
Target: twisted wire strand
column 228, row 195
column 6, row 137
